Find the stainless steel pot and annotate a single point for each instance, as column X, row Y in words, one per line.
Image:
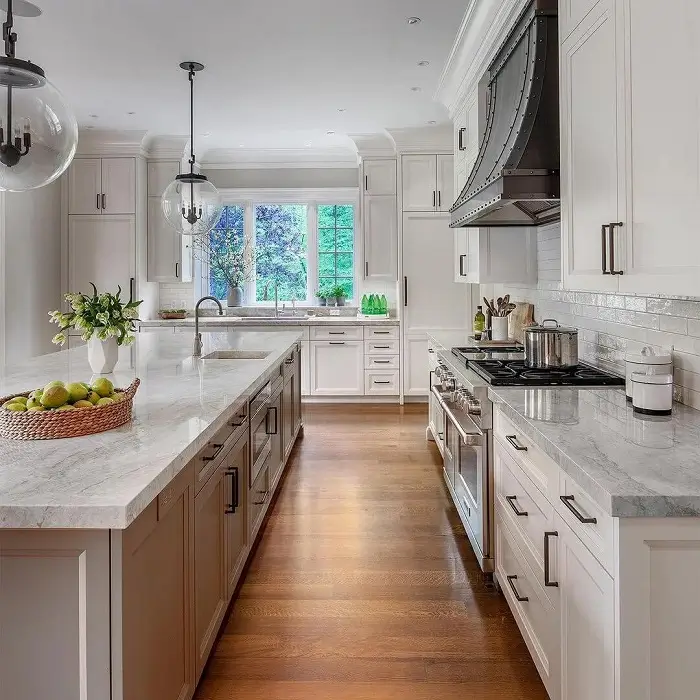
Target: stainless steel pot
column 551, row 346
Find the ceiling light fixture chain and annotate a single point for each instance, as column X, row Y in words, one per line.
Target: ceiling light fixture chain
column 9, row 37
column 191, row 77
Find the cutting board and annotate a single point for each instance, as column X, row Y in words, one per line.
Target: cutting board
column 519, row 319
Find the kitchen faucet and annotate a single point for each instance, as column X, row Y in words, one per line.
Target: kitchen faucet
column 197, row 349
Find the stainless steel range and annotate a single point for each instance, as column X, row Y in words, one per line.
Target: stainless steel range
column 461, row 422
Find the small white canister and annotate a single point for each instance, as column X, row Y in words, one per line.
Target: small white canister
column 648, row 362
column 652, row 394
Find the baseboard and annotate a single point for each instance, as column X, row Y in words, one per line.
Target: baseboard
column 415, row 399
column 350, row 399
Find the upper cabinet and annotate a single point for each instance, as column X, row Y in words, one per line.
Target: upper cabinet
column 380, row 234
column 102, row 186
column 427, row 182
column 630, row 162
column 379, row 176
column 160, row 174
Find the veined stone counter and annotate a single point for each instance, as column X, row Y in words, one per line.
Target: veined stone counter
column 207, row 322
column 106, row 480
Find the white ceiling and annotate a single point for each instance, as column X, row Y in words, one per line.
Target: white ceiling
column 277, row 71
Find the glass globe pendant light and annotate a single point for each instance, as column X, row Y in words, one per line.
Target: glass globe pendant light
column 191, row 204
column 38, row 131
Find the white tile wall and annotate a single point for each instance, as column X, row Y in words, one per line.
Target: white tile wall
column 610, row 325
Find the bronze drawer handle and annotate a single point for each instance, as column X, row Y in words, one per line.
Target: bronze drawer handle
column 547, row 580
column 512, row 439
column 568, row 501
column 518, row 597
column 511, row 503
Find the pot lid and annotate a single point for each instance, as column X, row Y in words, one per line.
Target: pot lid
column 649, row 356
column 644, row 378
column 554, row 326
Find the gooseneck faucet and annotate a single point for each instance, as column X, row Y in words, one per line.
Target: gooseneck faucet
column 197, row 349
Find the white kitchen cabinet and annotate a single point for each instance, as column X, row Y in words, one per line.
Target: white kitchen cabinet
column 571, row 12
column 305, row 380
column 164, row 246
column 337, row 368
column 160, row 174
column 102, row 186
column 416, row 365
column 592, row 138
column 427, row 182
column 379, row 176
column 101, row 249
column 587, row 614
column 380, row 237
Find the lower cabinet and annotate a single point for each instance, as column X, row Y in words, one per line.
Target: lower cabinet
column 236, row 465
column 337, row 368
column 258, row 498
column 157, row 577
column 277, row 453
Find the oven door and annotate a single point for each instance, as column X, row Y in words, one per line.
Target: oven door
column 436, row 415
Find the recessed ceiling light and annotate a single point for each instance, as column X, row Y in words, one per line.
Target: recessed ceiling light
column 432, row 121
column 413, row 20
column 206, row 134
column 241, row 145
column 423, row 64
column 307, row 145
column 89, row 126
column 131, row 114
column 342, row 109
column 416, row 89
column 330, row 133
column 93, row 116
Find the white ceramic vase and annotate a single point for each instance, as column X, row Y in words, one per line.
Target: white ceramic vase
column 499, row 328
column 102, row 354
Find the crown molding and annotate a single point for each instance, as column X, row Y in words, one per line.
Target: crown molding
column 111, row 143
column 292, row 195
column 423, row 139
column 484, row 28
column 253, row 158
column 166, row 147
column 379, row 145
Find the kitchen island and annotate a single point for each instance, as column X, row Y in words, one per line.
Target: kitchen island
column 119, row 552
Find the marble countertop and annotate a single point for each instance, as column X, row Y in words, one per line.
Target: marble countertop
column 631, row 465
column 106, row 480
column 240, row 321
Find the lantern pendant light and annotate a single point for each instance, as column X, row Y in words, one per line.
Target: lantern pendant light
column 191, row 204
column 38, row 131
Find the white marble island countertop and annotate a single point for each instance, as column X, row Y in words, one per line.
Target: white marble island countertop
column 208, row 321
column 105, row 480
column 631, row 465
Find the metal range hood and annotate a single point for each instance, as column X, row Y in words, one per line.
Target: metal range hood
column 515, row 180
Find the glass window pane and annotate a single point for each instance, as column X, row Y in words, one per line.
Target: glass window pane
column 223, row 249
column 344, row 268
column 326, row 216
column 347, row 285
column 345, row 239
column 326, row 239
column 280, row 241
column 326, row 264
column 345, row 216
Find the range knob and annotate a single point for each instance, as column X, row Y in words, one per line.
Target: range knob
column 449, row 383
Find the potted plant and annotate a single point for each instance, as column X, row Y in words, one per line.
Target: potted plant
column 321, row 296
column 339, row 293
column 104, row 321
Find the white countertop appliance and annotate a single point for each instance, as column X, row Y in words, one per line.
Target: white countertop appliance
column 648, row 361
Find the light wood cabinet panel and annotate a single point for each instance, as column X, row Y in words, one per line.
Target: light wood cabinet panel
column 101, row 249
column 296, row 394
column 445, row 182
column 592, row 137
column 258, row 498
column 419, row 175
column 337, row 368
column 380, row 231
column 119, row 185
column 236, row 477
column 85, row 186
column 158, row 598
column 379, row 177
column 287, row 416
column 164, row 246
column 277, row 452
column 210, row 585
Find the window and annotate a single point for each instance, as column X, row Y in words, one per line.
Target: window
column 298, row 246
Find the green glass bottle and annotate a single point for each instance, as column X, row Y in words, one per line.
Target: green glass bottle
column 384, row 305
column 479, row 323
column 364, row 304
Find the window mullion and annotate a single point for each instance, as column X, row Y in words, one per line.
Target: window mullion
column 312, row 282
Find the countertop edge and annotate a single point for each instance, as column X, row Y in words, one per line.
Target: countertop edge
column 242, row 321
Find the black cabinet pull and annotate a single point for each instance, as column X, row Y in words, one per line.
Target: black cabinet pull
column 611, row 232
column 267, row 421
column 132, row 285
column 98, row 201
column 405, row 291
column 336, row 332
column 434, row 199
column 366, row 183
column 177, row 270
column 336, row 342
column 104, row 200
column 511, row 503
column 461, row 145
column 462, row 258
column 366, row 268
column 218, row 449
column 547, row 580
column 382, row 362
column 604, row 250
column 382, row 347
column 439, row 198
column 233, row 505
column 518, row 597
column 381, row 332
column 568, row 501
column 512, row 439
column 376, row 382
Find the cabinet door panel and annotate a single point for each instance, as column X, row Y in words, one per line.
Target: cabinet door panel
column 160, row 175
column 663, row 203
column 337, row 368
column 164, row 246
column 287, row 415
column 119, row 185
column 416, row 374
column 571, row 12
column 445, row 182
column 587, row 621
column 419, row 182
column 237, row 461
column 305, row 379
column 277, row 452
column 379, row 177
column 591, row 148
column 85, row 186
column 210, row 597
column 380, row 237
column 101, row 249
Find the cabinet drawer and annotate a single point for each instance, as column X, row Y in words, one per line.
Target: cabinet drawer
column 289, row 364
column 381, row 332
column 575, row 506
column 535, row 615
column 541, row 470
column 336, row 333
column 258, row 498
column 528, row 513
column 377, row 382
column 381, row 347
column 381, row 362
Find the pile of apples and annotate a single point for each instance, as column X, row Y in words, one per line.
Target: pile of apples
column 57, row 396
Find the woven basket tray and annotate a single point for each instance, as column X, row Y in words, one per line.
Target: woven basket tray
column 51, row 425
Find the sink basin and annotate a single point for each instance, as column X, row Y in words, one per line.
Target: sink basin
column 236, row 355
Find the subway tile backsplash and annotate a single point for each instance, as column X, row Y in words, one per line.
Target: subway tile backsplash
column 611, row 325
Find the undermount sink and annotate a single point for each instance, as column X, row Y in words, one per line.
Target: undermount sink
column 236, row 355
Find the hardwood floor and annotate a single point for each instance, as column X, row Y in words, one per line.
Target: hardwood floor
column 364, row 586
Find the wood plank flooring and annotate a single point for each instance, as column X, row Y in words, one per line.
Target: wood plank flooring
column 364, row 585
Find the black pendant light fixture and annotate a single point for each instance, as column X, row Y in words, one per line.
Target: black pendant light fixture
column 191, row 204
column 38, row 131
